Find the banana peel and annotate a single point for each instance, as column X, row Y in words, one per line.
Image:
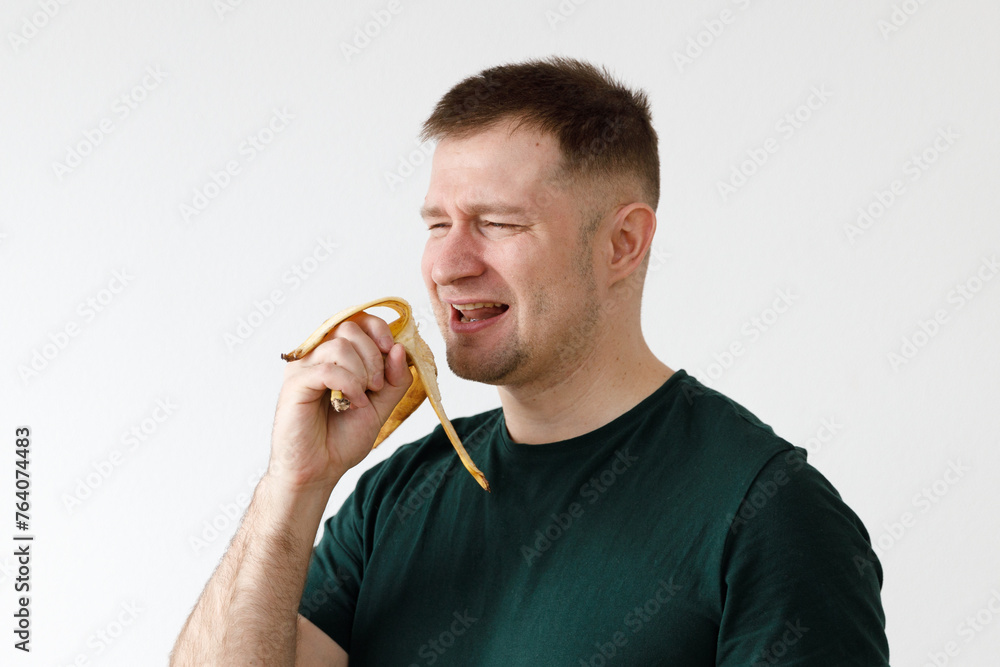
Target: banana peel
column 420, row 361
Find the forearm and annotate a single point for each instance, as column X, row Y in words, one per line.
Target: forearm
column 247, row 613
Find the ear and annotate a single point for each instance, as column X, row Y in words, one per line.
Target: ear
column 631, row 236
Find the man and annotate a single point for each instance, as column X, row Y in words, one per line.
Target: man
column 637, row 517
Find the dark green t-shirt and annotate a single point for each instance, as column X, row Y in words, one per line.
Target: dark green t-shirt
column 683, row 533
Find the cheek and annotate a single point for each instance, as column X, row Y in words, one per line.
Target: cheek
column 543, row 267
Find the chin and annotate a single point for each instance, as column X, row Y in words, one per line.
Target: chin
column 477, row 367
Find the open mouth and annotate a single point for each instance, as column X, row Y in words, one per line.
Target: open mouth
column 475, row 312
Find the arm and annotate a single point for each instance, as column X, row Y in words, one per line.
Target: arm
column 249, row 607
column 248, row 612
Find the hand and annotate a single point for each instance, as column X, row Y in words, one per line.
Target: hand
column 312, row 444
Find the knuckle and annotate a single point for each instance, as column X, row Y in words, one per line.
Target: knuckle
column 374, row 324
column 340, row 346
column 348, row 328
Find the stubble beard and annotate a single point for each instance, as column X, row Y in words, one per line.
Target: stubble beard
column 486, row 366
column 495, row 368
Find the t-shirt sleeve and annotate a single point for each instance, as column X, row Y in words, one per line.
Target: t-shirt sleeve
column 335, row 570
column 801, row 583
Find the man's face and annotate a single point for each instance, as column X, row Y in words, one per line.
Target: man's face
column 503, row 231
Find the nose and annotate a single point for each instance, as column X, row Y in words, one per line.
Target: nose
column 454, row 255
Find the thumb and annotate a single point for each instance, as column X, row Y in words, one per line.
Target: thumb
column 397, row 381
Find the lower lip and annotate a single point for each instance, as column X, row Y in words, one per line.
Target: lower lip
column 458, row 326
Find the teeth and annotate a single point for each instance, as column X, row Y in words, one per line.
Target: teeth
column 473, row 306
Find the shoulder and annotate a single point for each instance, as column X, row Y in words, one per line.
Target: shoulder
column 726, row 444
column 774, row 500
column 791, row 508
column 716, row 414
column 791, row 542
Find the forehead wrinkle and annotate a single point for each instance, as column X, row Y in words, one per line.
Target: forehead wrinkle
column 477, row 209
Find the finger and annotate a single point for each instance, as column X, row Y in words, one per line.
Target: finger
column 397, row 380
column 341, row 352
column 397, row 371
column 366, row 350
column 376, row 328
column 310, row 383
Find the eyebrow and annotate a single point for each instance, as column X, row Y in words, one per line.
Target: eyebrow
column 476, row 210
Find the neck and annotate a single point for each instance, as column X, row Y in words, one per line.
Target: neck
column 614, row 376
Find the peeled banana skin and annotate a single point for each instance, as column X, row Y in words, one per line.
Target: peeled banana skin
column 421, row 363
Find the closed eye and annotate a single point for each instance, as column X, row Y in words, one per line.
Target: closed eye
column 485, row 223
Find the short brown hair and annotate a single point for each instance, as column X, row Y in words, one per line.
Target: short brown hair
column 604, row 129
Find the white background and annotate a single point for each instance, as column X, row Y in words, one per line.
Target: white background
column 720, row 261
